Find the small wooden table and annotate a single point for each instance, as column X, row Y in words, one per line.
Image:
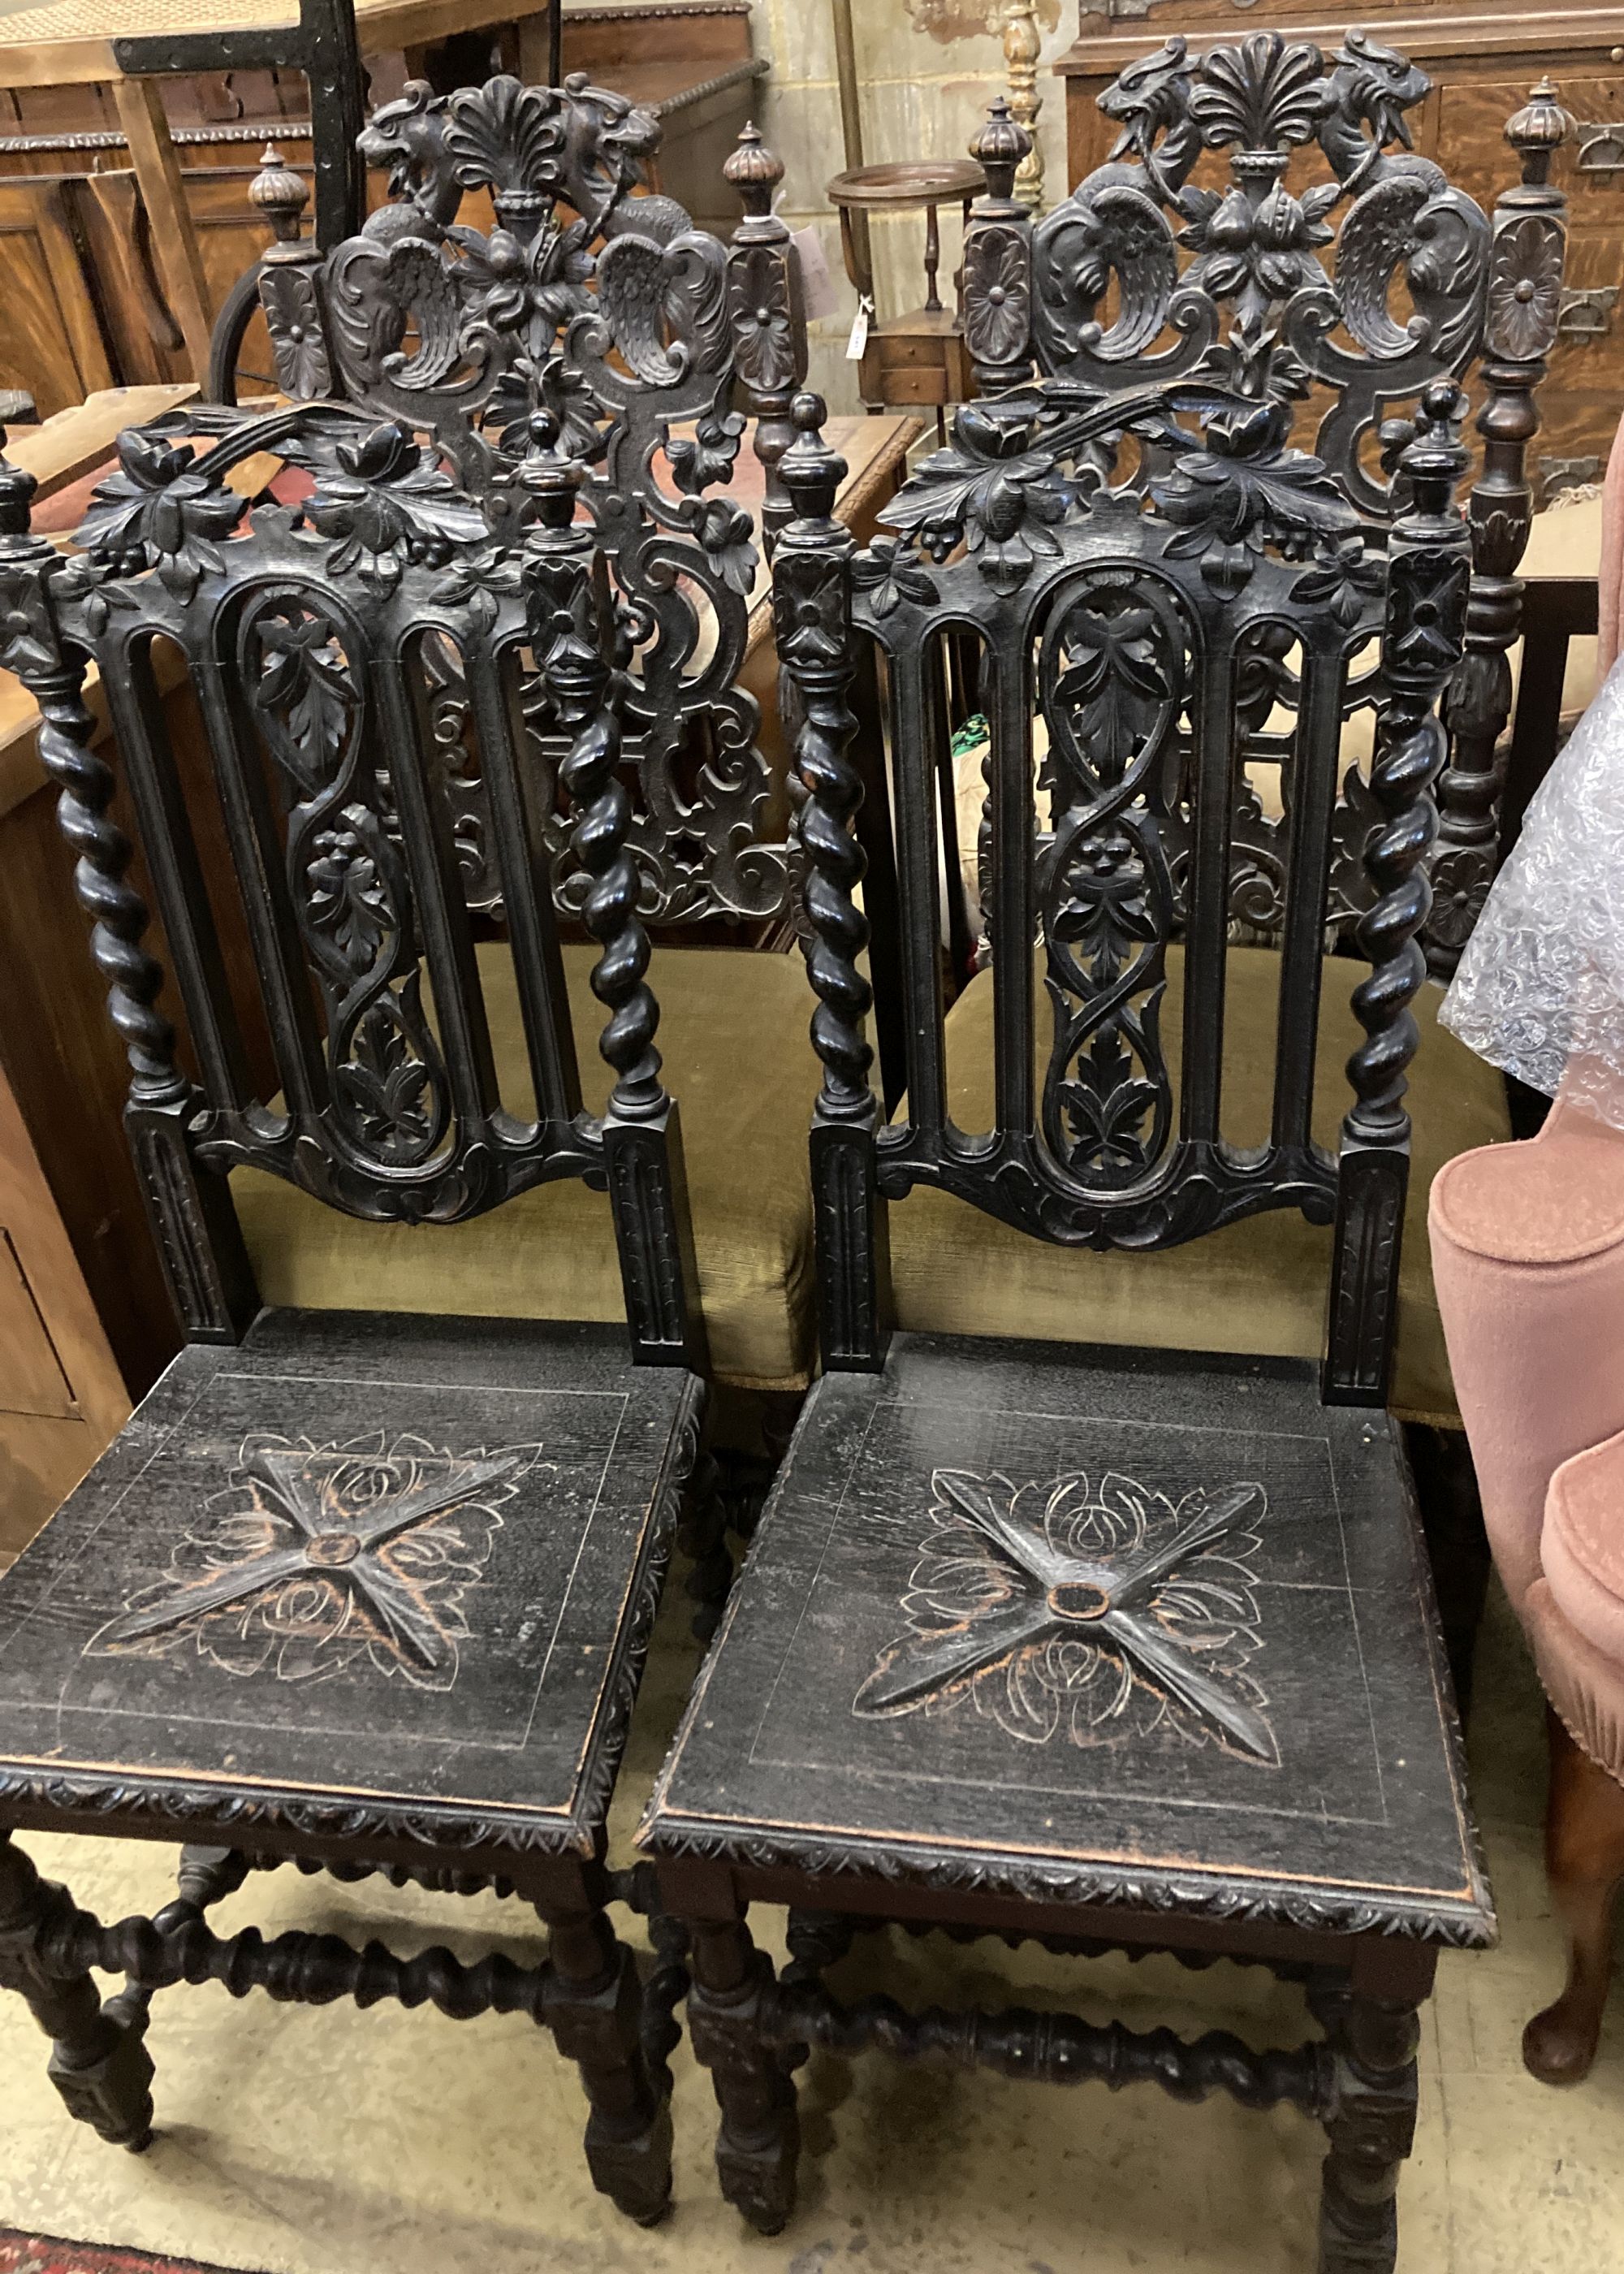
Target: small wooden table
column 918, row 357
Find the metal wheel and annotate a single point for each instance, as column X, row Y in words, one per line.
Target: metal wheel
column 240, row 362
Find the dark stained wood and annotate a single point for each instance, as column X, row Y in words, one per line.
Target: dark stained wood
column 368, row 1591
column 466, row 1681
column 1585, row 1865
column 1287, row 1755
column 1482, row 59
column 1118, row 1647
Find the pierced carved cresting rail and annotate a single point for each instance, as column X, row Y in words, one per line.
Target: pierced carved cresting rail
column 603, row 306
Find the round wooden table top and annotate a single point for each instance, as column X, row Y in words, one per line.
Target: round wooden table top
column 909, row 182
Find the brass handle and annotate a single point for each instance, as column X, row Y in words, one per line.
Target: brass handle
column 1559, row 474
column 1601, row 149
column 1586, row 314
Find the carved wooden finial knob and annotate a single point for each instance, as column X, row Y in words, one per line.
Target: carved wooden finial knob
column 280, row 194
column 810, row 471
column 754, row 170
column 1538, row 130
column 1000, row 147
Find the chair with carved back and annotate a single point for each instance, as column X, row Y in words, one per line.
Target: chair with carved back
column 1076, row 1638
column 353, row 1589
column 1186, row 255
column 519, row 263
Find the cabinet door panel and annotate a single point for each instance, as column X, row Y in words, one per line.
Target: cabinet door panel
column 50, row 342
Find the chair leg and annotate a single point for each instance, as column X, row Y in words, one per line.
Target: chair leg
column 1584, row 1864
column 1372, row 2128
column 596, row 2014
column 704, row 1538
column 99, row 2063
column 759, row 2138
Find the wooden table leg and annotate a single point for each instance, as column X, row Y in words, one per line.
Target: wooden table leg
column 175, row 242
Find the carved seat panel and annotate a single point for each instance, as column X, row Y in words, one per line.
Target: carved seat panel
column 1091, row 1628
column 386, row 1576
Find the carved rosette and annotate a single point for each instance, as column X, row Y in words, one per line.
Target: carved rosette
column 291, row 300
column 997, row 259
column 998, row 294
column 1525, row 287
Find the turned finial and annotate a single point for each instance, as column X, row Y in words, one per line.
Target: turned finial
column 1000, row 147
column 810, row 471
column 280, row 194
column 1538, row 131
column 754, row 170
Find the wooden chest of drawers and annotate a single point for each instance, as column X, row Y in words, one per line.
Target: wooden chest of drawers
column 1481, row 63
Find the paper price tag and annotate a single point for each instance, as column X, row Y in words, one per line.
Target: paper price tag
column 858, row 340
column 817, row 286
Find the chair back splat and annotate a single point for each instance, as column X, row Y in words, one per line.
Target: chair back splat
column 1167, row 594
column 314, row 640
column 562, row 282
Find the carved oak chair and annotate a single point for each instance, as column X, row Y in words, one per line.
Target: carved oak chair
column 352, row 1590
column 517, row 263
column 1077, row 1638
column 1185, row 255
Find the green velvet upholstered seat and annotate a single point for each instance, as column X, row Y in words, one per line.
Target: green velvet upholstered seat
column 1257, row 1286
column 734, row 1034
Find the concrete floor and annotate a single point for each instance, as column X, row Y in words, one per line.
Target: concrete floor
column 324, row 2142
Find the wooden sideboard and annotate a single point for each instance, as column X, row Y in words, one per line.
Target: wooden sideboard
column 1482, row 62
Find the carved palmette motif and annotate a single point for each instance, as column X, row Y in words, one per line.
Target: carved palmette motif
column 606, row 307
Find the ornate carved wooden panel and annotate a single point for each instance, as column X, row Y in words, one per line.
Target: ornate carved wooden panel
column 607, row 309
column 314, row 640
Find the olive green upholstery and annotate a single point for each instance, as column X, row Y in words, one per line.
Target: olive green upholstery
column 1259, row 1285
column 733, row 1033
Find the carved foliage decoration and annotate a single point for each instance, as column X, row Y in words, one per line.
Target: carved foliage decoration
column 295, row 608
column 1368, row 280
column 606, row 307
column 315, row 1559
column 389, row 1095
column 1101, row 1613
column 1113, row 681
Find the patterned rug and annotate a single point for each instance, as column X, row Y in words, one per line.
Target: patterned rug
column 44, row 2254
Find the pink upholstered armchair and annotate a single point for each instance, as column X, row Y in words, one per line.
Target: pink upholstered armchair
column 1528, row 1259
